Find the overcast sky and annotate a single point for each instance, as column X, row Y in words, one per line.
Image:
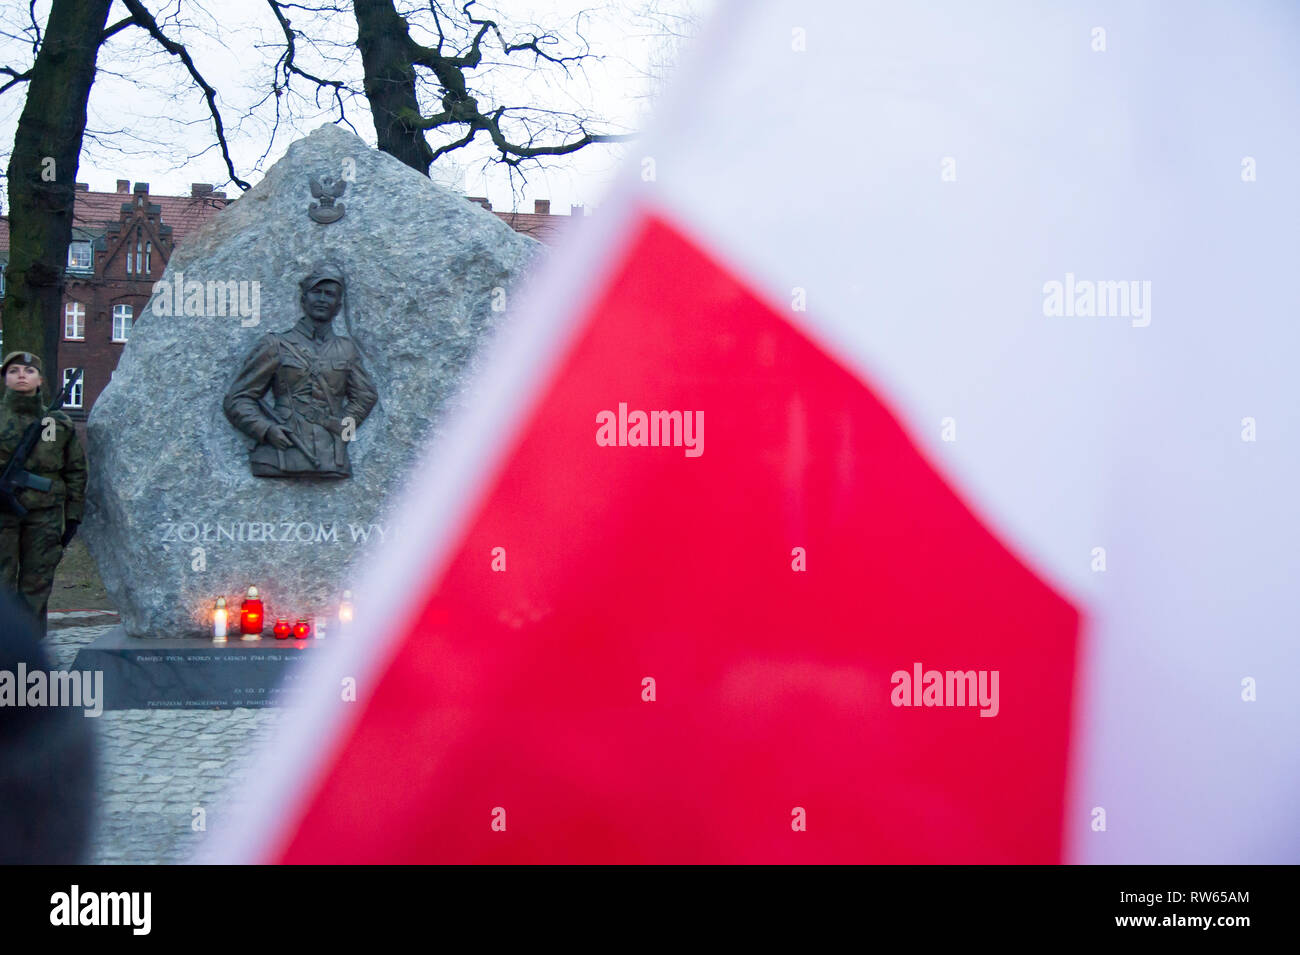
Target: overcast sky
column 148, row 122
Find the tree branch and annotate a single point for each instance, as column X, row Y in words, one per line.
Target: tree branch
column 36, row 28
column 121, row 24
column 142, row 18
column 286, row 59
column 492, row 125
column 16, row 77
column 533, row 44
column 448, row 147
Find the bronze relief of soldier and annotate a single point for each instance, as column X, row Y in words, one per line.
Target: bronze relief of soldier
column 319, row 390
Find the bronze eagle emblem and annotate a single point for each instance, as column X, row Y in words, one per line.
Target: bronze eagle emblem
column 327, row 191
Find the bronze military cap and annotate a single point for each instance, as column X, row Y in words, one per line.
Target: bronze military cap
column 327, row 272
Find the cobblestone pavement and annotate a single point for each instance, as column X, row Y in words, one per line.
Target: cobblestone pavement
column 156, row 767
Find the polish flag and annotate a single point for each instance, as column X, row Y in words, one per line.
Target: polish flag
column 900, row 467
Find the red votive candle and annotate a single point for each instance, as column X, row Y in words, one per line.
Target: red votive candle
column 251, row 620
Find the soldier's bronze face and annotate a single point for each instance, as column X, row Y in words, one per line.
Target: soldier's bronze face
column 321, row 302
column 23, row 379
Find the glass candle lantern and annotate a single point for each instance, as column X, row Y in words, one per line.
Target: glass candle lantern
column 220, row 620
column 251, row 619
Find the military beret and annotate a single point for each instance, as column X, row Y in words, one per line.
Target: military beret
column 22, row 358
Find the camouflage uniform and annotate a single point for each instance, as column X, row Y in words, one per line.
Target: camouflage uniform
column 31, row 546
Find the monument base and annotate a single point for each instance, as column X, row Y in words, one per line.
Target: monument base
column 193, row 672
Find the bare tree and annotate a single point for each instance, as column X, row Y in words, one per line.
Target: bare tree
column 397, row 66
column 43, row 169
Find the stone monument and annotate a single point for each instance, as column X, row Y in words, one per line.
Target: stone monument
column 297, row 357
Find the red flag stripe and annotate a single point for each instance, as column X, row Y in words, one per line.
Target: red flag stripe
column 518, row 694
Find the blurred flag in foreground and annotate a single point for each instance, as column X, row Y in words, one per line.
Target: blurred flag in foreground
column 901, row 466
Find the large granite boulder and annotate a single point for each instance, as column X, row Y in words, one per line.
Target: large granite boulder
column 174, row 515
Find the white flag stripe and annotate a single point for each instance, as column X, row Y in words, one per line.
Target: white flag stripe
column 1072, row 432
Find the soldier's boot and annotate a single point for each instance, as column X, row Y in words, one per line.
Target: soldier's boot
column 39, row 553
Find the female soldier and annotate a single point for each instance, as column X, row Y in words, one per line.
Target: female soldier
column 31, row 545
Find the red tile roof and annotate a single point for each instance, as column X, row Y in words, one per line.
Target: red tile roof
column 94, row 210
column 543, row 228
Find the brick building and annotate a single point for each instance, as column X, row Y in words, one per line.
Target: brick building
column 121, row 242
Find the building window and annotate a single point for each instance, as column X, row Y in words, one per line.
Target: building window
column 2, row 278
column 122, row 315
column 79, row 256
column 148, row 267
column 74, row 322
column 74, row 399
column 139, row 254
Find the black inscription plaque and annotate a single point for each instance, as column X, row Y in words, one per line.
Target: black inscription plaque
column 195, row 672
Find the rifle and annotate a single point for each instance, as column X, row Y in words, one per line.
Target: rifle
column 288, row 433
column 15, row 474
column 285, row 426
